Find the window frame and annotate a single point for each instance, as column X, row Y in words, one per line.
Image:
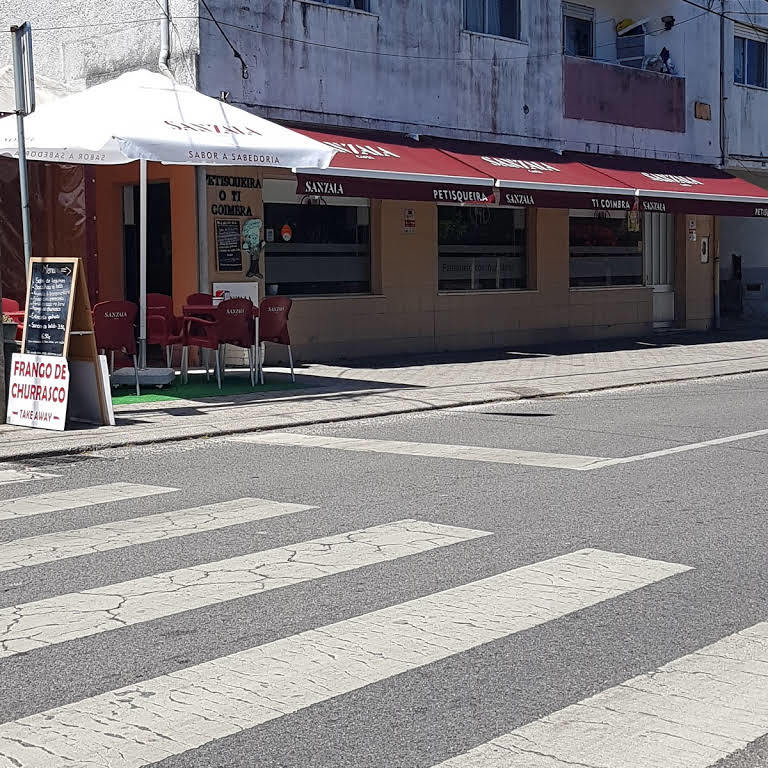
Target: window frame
column 518, row 32
column 581, row 13
column 755, row 37
column 344, row 5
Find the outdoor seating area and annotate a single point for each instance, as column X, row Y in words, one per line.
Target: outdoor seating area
column 207, row 326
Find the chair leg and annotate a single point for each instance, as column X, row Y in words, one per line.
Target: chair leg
column 262, row 359
column 168, row 355
column 112, row 361
column 290, row 360
column 218, row 369
column 250, row 365
column 223, row 359
column 205, row 354
column 185, row 364
column 136, row 371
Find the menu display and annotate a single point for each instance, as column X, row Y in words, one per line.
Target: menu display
column 48, row 307
column 229, row 254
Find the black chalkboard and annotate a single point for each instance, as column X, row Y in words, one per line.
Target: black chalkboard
column 229, row 255
column 48, row 307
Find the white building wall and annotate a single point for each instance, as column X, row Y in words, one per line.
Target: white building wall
column 82, row 42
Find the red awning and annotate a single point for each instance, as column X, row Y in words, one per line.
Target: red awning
column 374, row 166
column 667, row 187
column 538, row 177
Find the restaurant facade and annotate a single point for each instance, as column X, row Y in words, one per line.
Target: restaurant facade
column 419, row 246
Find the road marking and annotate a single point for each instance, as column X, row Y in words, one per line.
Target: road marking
column 8, row 476
column 174, row 713
column 140, row 530
column 689, row 713
column 432, row 450
column 680, row 449
column 81, row 614
column 59, row 501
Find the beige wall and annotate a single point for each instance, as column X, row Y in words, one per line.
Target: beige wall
column 406, row 313
column 694, row 281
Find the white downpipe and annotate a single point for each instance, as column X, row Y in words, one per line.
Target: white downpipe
column 165, row 40
column 142, row 263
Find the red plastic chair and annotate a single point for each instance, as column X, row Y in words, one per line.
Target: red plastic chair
column 203, row 299
column 203, row 334
column 113, row 323
column 12, row 308
column 163, row 327
column 273, row 325
column 235, row 325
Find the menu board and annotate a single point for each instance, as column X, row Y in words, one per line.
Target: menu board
column 229, row 255
column 49, row 305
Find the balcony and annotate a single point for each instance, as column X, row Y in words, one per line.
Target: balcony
column 612, row 93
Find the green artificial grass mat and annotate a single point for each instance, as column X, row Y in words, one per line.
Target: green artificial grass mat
column 196, row 389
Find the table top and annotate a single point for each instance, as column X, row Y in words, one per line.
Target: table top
column 208, row 309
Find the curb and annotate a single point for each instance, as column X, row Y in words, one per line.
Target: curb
column 207, row 434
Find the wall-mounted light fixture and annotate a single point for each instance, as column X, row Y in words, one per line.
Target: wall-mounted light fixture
column 668, row 22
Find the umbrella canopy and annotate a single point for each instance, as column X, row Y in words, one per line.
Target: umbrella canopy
column 46, row 90
column 146, row 116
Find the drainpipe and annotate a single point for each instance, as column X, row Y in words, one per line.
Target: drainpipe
column 165, row 40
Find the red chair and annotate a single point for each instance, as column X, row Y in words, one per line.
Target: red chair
column 273, row 325
column 235, row 325
column 113, row 323
column 163, row 327
column 203, row 334
column 200, row 299
column 12, row 308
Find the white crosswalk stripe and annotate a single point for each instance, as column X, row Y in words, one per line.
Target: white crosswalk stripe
column 10, row 475
column 81, row 614
column 429, row 450
column 60, row 501
column 140, row 530
column 174, row 713
column 690, row 713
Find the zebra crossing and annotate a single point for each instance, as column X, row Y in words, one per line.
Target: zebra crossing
column 689, row 713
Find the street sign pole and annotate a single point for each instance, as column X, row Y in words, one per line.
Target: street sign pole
column 24, row 79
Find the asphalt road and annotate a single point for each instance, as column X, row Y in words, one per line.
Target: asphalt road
column 414, row 685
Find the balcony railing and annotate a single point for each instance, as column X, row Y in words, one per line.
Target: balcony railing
column 611, row 93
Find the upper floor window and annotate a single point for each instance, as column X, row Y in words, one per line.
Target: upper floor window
column 578, row 30
column 493, row 17
column 360, row 5
column 750, row 61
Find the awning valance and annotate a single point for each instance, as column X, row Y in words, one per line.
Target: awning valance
column 378, row 166
column 375, row 166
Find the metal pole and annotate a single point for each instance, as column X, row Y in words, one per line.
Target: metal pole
column 21, row 106
column 142, row 263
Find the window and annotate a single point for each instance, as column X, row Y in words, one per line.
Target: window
column 482, row 248
column 578, row 30
column 493, row 17
column 360, row 5
column 606, row 249
column 750, row 57
column 317, row 249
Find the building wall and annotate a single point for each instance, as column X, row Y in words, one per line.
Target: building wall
column 109, row 223
column 83, row 42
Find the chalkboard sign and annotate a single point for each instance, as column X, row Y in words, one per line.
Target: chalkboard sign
column 49, row 307
column 229, row 255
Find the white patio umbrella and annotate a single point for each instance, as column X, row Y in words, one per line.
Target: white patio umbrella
column 147, row 117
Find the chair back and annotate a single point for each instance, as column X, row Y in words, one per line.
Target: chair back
column 234, row 322
column 160, row 301
column 10, row 305
column 273, row 319
column 113, row 322
column 200, row 299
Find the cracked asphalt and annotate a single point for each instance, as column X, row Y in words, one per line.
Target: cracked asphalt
column 188, row 591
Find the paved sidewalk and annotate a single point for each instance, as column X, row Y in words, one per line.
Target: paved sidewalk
column 337, row 393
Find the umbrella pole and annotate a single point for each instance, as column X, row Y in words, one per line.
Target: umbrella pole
column 142, row 263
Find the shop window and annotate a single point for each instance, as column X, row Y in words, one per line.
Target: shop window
column 750, row 61
column 606, row 249
column 578, row 30
column 482, row 249
column 317, row 249
column 493, row 17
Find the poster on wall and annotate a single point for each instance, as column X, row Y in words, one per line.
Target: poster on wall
column 229, row 255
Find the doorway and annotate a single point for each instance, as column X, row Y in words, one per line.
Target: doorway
column 659, row 258
column 159, row 247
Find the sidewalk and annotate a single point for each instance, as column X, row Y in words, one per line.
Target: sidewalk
column 329, row 393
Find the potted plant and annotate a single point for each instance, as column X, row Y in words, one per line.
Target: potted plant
column 9, row 328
